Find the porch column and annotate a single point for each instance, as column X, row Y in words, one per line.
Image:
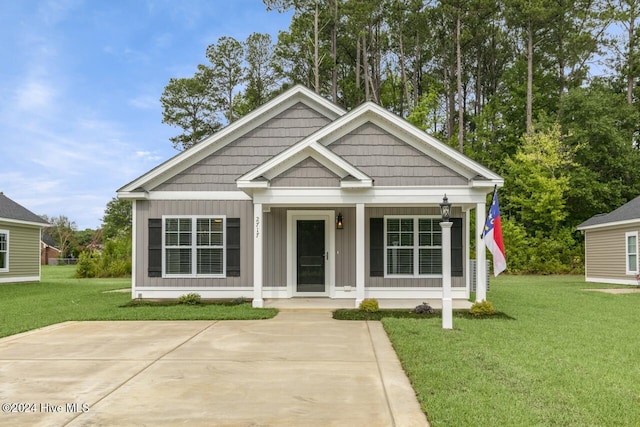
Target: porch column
column 360, row 264
column 257, row 256
column 481, row 254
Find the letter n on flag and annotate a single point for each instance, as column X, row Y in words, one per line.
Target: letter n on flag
column 492, row 236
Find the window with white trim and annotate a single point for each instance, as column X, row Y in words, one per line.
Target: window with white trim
column 4, row 251
column 194, row 246
column 412, row 246
column 631, row 240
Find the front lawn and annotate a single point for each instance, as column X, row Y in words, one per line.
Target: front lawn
column 59, row 297
column 566, row 357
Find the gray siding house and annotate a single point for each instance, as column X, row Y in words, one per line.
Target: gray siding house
column 20, row 231
column 612, row 247
column 301, row 198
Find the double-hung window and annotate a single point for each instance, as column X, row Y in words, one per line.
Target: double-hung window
column 4, row 251
column 194, row 246
column 413, row 246
column 631, row 240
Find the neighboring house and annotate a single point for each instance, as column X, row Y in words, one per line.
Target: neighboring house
column 611, row 245
column 20, row 231
column 301, row 198
column 49, row 253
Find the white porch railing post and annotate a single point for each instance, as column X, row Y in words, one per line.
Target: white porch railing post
column 360, row 264
column 257, row 256
column 481, row 254
column 447, row 303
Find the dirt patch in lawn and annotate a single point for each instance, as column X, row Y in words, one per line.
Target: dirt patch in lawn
column 616, row 290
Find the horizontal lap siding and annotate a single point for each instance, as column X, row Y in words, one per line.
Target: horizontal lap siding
column 380, row 282
column 24, row 251
column 390, row 161
column 606, row 253
column 219, row 171
column 307, row 173
column 232, row 209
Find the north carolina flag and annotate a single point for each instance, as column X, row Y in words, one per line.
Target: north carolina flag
column 492, row 236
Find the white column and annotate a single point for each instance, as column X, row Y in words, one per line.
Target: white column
column 360, row 264
column 134, row 243
column 447, row 303
column 481, row 254
column 257, row 256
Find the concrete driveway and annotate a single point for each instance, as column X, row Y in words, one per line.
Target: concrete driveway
column 298, row 369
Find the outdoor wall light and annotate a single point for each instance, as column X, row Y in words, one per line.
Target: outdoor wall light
column 445, row 209
column 339, row 224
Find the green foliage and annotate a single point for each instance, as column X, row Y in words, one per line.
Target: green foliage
column 423, row 308
column 190, row 299
column 113, row 261
column 239, row 301
column 117, row 220
column 482, row 308
column 369, row 305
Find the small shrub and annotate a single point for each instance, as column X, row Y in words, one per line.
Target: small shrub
column 239, row 301
column 423, row 308
column 482, row 308
column 190, row 299
column 86, row 266
column 369, row 305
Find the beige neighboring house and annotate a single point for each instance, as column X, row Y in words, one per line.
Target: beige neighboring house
column 301, row 198
column 611, row 245
column 20, row 231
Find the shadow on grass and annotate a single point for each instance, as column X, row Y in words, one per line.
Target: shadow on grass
column 354, row 314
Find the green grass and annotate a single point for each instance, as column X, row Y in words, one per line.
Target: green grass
column 59, row 297
column 566, row 358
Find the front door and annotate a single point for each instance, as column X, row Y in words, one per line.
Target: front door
column 311, row 256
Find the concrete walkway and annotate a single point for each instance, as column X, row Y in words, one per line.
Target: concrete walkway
column 298, row 369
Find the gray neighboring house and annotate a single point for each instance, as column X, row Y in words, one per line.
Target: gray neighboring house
column 611, row 245
column 301, row 198
column 20, row 231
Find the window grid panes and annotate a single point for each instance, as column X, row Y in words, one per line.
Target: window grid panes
column 194, row 246
column 632, row 253
column 413, row 246
column 4, row 250
column 400, row 238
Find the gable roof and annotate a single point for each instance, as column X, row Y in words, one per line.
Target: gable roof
column 231, row 132
column 317, row 142
column 13, row 212
column 627, row 213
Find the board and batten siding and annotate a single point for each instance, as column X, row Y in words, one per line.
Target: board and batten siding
column 232, row 209
column 307, row 173
column 219, row 171
column 24, row 251
column 382, row 282
column 605, row 253
column 391, row 161
column 275, row 246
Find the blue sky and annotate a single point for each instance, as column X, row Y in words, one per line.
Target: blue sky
column 80, row 83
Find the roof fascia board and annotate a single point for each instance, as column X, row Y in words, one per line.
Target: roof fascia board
column 228, row 134
column 611, row 224
column 29, row 223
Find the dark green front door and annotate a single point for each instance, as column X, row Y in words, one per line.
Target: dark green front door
column 310, row 256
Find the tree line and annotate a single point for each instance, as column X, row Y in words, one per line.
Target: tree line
column 544, row 92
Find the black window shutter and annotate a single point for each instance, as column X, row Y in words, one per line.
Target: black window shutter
column 233, row 247
column 457, row 260
column 155, row 247
column 376, row 249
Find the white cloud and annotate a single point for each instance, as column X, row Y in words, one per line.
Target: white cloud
column 145, row 102
column 34, row 95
